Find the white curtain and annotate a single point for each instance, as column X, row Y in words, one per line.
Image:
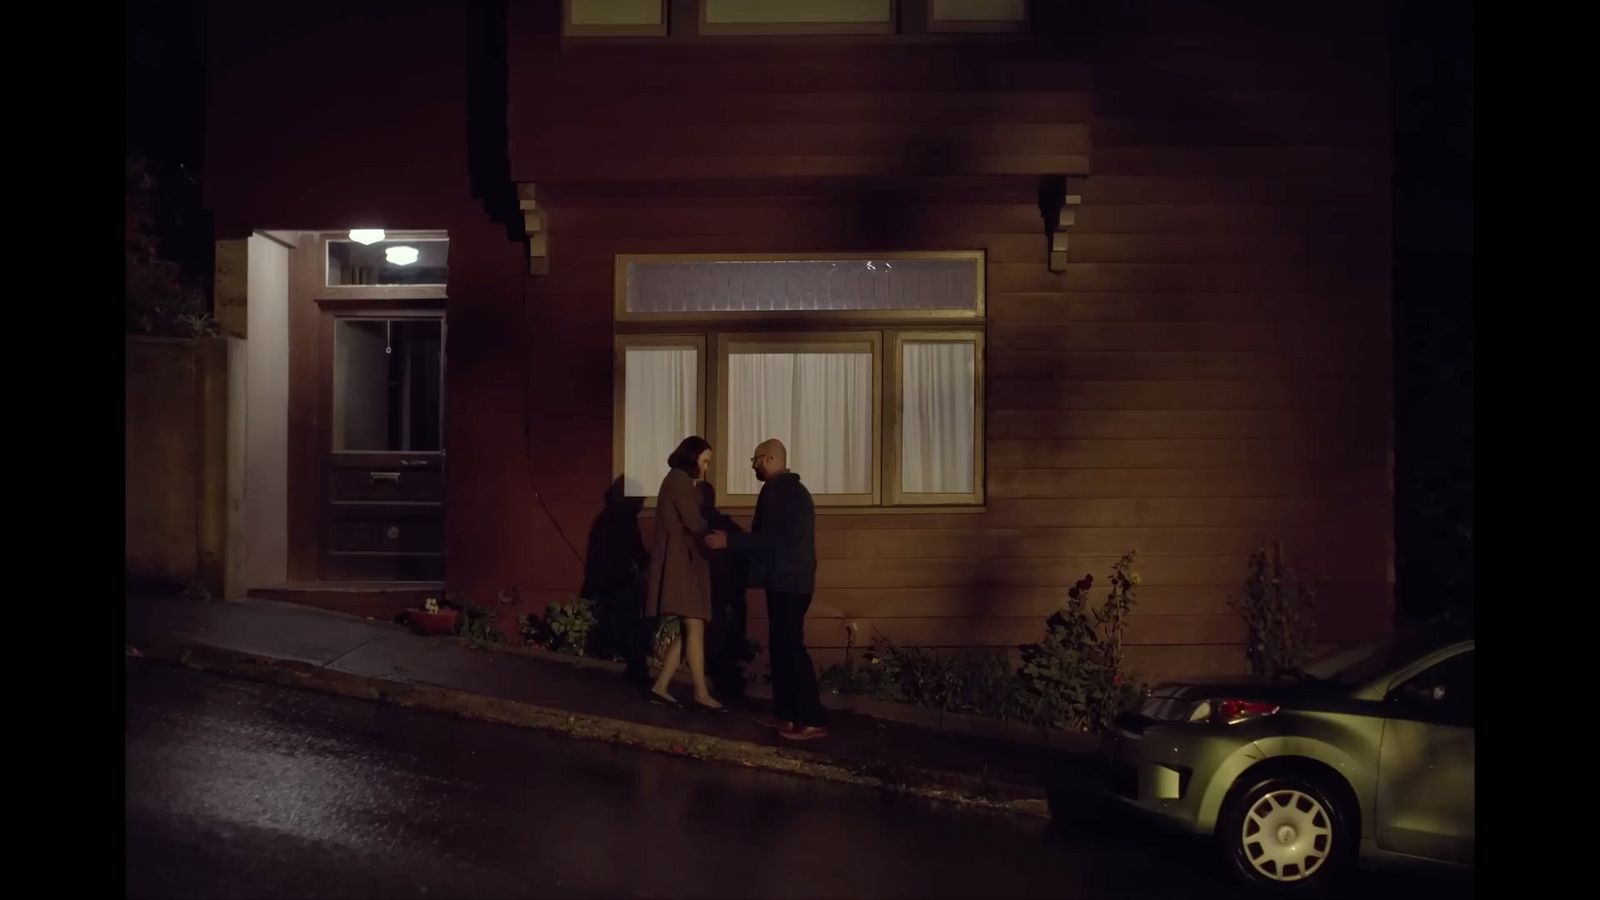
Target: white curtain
column 818, row 403
column 661, row 400
column 937, row 400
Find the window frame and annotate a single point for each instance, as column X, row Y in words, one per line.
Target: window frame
column 659, row 28
column 619, row 399
column 937, row 24
column 742, row 27
column 798, row 341
column 893, row 493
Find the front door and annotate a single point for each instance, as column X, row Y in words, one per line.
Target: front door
column 1427, row 797
column 383, row 506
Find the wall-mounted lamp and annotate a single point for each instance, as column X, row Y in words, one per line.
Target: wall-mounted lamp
column 400, row 255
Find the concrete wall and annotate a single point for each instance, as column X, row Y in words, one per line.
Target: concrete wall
column 233, row 580
column 175, row 462
column 266, row 472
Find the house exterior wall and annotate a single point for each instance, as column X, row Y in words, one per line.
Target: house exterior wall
column 1211, row 370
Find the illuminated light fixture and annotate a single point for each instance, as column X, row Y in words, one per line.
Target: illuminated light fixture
column 400, row 256
column 366, row 236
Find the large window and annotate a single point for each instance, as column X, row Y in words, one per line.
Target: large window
column 870, row 370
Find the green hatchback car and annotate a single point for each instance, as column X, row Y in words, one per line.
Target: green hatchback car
column 1366, row 754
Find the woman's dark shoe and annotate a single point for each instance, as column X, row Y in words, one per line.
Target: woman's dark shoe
column 804, row 733
column 664, row 700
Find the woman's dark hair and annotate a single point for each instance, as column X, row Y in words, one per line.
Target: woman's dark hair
column 687, row 456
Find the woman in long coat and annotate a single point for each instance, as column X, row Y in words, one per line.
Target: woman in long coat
column 680, row 577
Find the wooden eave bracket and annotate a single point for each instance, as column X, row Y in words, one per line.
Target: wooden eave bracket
column 1065, row 215
column 535, row 226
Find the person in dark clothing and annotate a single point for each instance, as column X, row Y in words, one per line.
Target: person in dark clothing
column 725, row 632
column 782, row 552
column 613, row 577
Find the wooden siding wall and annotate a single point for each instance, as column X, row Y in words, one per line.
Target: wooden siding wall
column 1234, row 241
column 1211, row 370
column 642, row 114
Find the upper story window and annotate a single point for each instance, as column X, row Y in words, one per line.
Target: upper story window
column 722, row 18
column 797, row 16
column 978, row 15
column 614, row 18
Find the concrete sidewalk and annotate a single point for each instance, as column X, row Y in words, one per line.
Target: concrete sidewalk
column 318, row 650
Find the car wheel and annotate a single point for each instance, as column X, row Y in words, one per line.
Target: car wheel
column 1286, row 833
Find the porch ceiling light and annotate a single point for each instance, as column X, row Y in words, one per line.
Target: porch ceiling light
column 400, row 256
column 366, row 236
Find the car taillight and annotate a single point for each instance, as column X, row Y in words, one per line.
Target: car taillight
column 1231, row 712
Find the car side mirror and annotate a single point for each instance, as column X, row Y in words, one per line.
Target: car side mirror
column 1425, row 694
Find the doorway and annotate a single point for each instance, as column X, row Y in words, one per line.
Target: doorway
column 383, row 509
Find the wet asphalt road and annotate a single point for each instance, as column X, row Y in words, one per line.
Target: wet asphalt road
column 237, row 789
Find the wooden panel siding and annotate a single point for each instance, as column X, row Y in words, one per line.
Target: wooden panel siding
column 1189, row 424
column 759, row 109
column 1211, row 370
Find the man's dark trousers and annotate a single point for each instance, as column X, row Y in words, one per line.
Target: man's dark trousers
column 794, row 679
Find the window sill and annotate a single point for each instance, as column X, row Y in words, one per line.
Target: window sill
column 650, row 511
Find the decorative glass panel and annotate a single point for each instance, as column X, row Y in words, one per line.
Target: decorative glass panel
column 665, row 287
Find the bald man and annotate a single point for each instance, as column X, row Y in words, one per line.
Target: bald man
column 782, row 549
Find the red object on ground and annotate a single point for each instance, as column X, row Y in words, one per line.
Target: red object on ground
column 424, row 622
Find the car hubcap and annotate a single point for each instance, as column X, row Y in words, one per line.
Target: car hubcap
column 1287, row 835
